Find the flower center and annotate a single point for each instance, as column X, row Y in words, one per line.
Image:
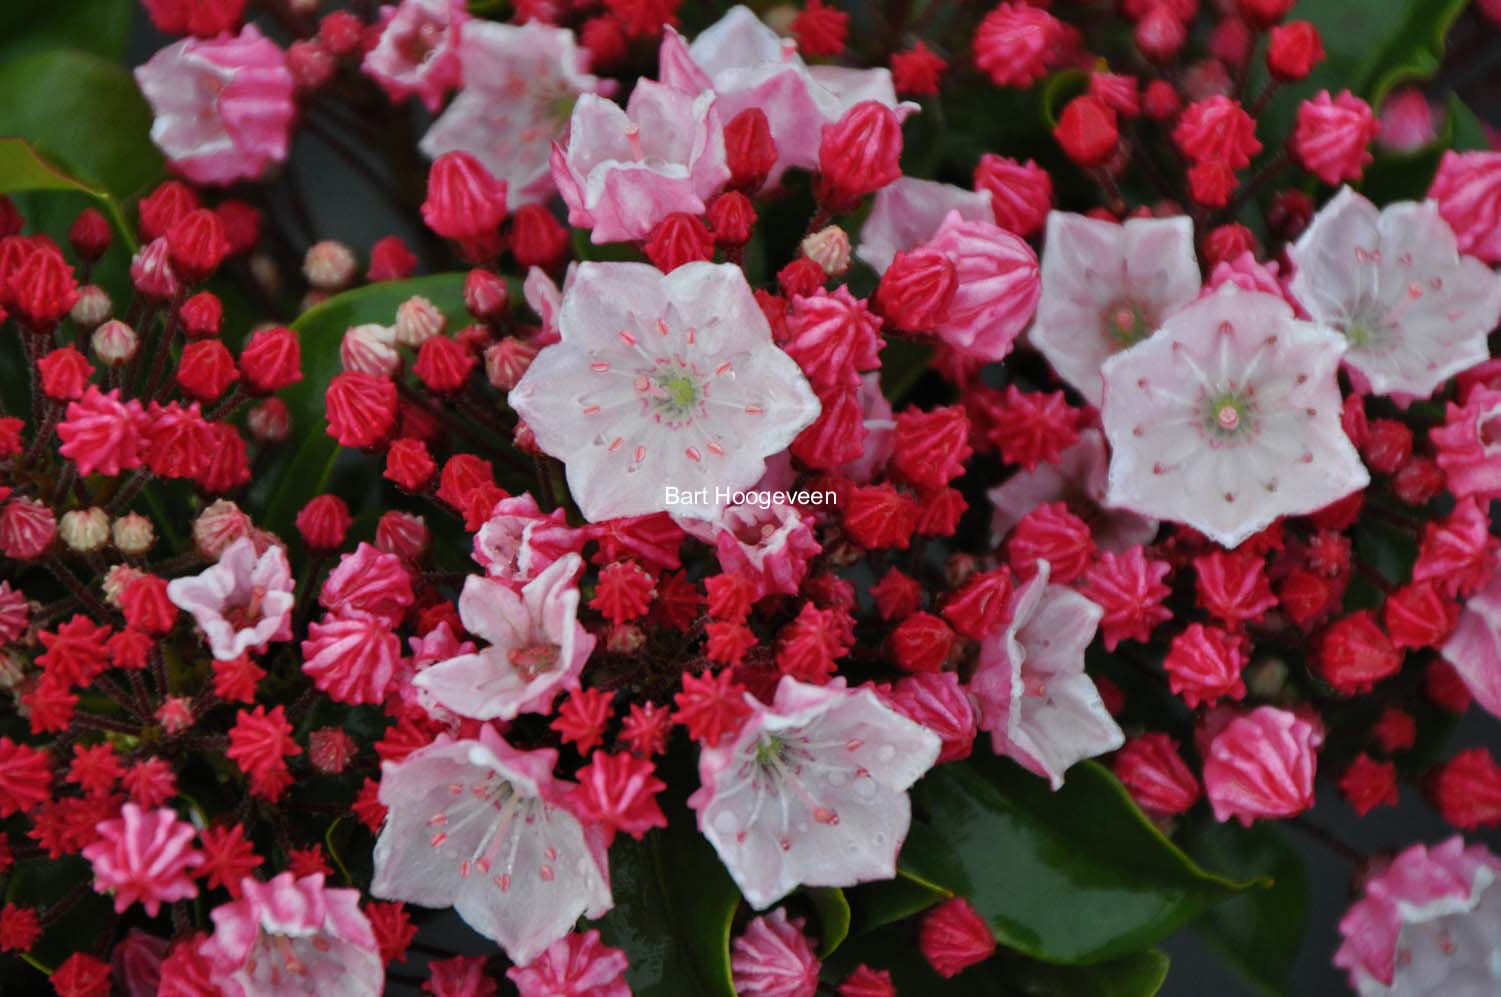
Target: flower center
column 1126, row 323
column 1228, row 416
column 532, row 660
column 247, row 614
column 417, row 46
column 1490, row 430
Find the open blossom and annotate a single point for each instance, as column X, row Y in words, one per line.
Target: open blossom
column 1262, row 765
column 773, row 958
column 1229, row 417
column 144, row 855
column 661, row 383
column 1429, row 924
column 1467, row 188
column 1035, row 699
column 520, row 83
column 518, row 542
column 1474, row 647
column 482, row 827
column 576, row 965
column 909, row 211
column 223, row 106
column 1469, row 444
column 1080, row 479
column 812, row 791
column 292, row 937
column 1107, row 286
column 537, row 646
column 748, row 65
column 1392, row 280
column 243, row 602
column 417, row 53
column 623, row 170
column 997, row 288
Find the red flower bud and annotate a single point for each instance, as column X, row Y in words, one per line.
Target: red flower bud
column 1263, row 13
column 206, row 369
column 1293, row 49
column 201, row 315
column 463, row 200
column 1087, row 131
column 679, row 238
column 90, row 235
column 271, row 360
column 361, row 408
column 921, row 643
column 953, row 937
column 732, row 217
column 915, row 291
column 1155, row 775
column 486, row 294
column 538, row 239
column 443, row 365
column 324, row 522
column 860, row 153
column 1354, row 654
column 390, row 259
column 196, row 245
column 750, row 151
column 165, row 207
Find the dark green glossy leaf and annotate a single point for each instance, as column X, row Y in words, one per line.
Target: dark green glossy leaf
column 833, row 918
column 98, row 26
column 1076, row 876
column 25, row 170
column 674, row 905
column 299, row 475
column 1260, row 931
column 1406, row 176
column 1138, row 975
column 874, row 905
column 1413, row 49
column 84, row 113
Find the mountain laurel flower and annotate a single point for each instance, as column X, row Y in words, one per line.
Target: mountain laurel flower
column 537, row 647
column 482, row 827
column 520, row 83
column 417, row 51
column 749, row 66
column 1429, row 923
column 293, row 935
column 1474, row 648
column 996, row 290
column 623, row 170
column 773, row 958
column 1414, row 310
column 1469, row 444
column 1229, row 418
column 1262, row 765
column 1107, row 286
column 144, row 856
column 576, row 965
column 812, row 791
column 1035, row 700
column 908, row 212
column 1333, row 136
column 665, row 393
column 1467, row 188
column 243, row 602
column 223, row 106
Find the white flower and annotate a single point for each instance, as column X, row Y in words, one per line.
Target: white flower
column 243, row 602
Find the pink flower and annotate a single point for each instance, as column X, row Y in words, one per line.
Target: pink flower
column 1467, row 188
column 576, row 965
column 537, row 646
column 243, row 602
column 102, row 434
column 520, row 83
column 747, row 65
column 1407, row 120
column 1107, row 286
column 666, row 391
column 351, row 656
column 1080, row 479
column 1474, row 647
column 1039, row 706
column 144, row 856
column 481, row 827
column 1333, row 137
column 997, row 289
column 293, row 936
column 368, row 581
column 622, row 171
column 770, row 547
column 773, row 958
column 1429, row 924
column 1262, row 765
column 518, row 542
column 1229, row 417
column 812, row 791
column 909, row 212
column 1415, row 312
column 1469, row 444
column 418, row 50
column 223, row 106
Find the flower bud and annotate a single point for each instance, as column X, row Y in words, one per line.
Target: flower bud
column 506, row 361
column 830, row 249
column 404, row 534
column 114, row 343
column 133, row 534
column 271, row 360
column 1263, row 13
column 1333, row 136
column 1087, row 131
column 678, row 239
column 218, row 526
column 330, row 266
column 1155, row 775
column 324, row 522
column 750, row 151
column 1293, row 49
column 443, row 365
column 1160, row 34
column 463, row 200
column 269, row 421
column 732, row 217
column 390, row 259
column 538, row 239
column 164, row 207
column 90, row 235
column 84, row 530
column 418, row 320
column 953, row 937
column 196, row 245
column 151, row 271
column 1021, row 194
column 370, row 349
column 92, row 307
column 860, row 153
column 915, row 291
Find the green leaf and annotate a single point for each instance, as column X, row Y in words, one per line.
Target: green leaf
column 1406, row 176
column 24, row 170
column 1138, row 975
column 297, row 477
column 98, row 26
column 83, row 112
column 874, row 905
column 674, row 906
column 1260, row 931
column 833, row 918
column 1412, row 50
column 1076, row 876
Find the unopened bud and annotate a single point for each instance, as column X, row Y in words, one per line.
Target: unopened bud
column 830, row 249
column 84, row 530
column 330, row 266
column 114, row 343
column 133, row 534
column 92, row 307
column 417, row 321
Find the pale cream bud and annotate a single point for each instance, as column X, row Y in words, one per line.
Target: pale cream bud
column 133, row 534
column 830, row 249
column 84, row 530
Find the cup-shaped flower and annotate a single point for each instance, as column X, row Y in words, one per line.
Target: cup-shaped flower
column 1107, row 286
column 481, row 827
column 665, row 393
column 520, row 83
column 1229, row 417
column 243, row 602
column 1392, row 280
column 907, row 213
column 812, row 791
column 623, row 170
column 537, row 646
column 223, row 106
column 1035, row 699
